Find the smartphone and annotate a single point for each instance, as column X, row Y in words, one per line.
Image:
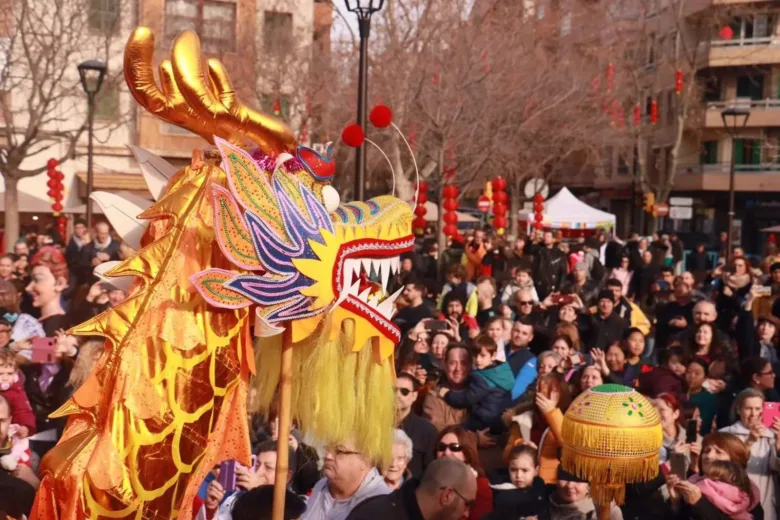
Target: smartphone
column 691, row 432
column 677, row 465
column 437, row 325
column 771, row 410
column 227, row 475
column 43, row 350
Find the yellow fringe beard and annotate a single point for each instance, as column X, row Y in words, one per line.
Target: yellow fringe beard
column 337, row 394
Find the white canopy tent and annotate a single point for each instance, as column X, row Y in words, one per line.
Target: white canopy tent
column 565, row 211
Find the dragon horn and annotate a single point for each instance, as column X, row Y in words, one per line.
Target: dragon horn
column 167, row 104
column 233, row 121
column 269, row 133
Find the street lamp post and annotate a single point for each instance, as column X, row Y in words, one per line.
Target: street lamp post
column 364, row 9
column 735, row 118
column 91, row 73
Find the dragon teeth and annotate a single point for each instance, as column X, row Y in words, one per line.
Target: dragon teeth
column 364, row 295
column 395, row 264
column 386, row 307
column 386, row 268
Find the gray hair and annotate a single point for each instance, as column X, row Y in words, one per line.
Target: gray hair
column 400, row 437
column 743, row 396
column 546, row 354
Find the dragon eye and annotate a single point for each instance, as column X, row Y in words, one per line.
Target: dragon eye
column 330, row 198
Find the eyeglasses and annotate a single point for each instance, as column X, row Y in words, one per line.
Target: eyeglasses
column 770, row 373
column 469, row 503
column 404, row 391
column 338, row 451
column 527, row 303
column 454, row 447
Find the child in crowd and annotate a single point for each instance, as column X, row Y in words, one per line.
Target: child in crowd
column 12, row 389
column 635, row 348
column 667, row 377
column 522, row 281
column 487, row 393
column 526, row 494
column 727, row 486
column 707, row 403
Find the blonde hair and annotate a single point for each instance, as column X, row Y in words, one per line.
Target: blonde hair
column 89, row 353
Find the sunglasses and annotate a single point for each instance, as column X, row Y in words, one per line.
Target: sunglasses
column 404, row 391
column 469, row 503
column 526, row 303
column 454, row 447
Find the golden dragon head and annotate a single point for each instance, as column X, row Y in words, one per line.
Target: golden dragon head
column 299, row 256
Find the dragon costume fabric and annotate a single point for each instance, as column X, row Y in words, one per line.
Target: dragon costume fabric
column 250, row 236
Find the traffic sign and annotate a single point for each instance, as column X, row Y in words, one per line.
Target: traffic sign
column 483, row 204
column 681, row 201
column 681, row 212
column 661, row 209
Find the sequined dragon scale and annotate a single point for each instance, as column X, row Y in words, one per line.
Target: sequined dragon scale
column 247, row 239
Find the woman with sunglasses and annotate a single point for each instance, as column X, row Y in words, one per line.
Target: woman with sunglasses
column 457, row 443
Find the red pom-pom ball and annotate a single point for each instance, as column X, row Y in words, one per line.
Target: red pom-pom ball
column 381, row 116
column 353, row 136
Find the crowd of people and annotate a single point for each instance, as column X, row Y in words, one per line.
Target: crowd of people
column 498, row 337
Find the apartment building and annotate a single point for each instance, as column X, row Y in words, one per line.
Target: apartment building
column 246, row 35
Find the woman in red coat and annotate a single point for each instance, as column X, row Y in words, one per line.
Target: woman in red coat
column 457, row 443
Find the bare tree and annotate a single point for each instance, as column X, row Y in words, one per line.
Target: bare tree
column 42, row 106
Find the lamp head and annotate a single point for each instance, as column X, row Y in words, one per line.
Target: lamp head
column 735, row 118
column 364, row 8
column 92, row 73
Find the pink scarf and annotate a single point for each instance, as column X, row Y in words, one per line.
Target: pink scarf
column 727, row 497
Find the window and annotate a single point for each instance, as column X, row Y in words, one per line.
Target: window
column 107, row 103
column 747, row 152
column 103, row 15
column 711, row 89
column 749, row 30
column 277, row 31
column 750, row 86
column 213, row 20
column 709, row 152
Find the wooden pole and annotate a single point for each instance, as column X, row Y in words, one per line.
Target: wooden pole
column 283, row 432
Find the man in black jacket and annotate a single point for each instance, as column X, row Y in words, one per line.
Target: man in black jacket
column 549, row 268
column 446, row 492
column 605, row 327
column 420, row 430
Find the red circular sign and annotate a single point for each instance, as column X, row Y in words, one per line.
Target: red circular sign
column 483, row 204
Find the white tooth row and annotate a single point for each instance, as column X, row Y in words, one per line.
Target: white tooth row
column 385, row 268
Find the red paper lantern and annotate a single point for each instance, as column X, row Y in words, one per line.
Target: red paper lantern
column 538, row 217
column 450, row 230
column 50, row 194
column 52, row 163
column 499, row 184
column 538, row 198
column 621, row 117
column 678, row 81
column 499, row 222
column 381, row 116
column 637, row 114
column 353, row 136
column 500, row 197
column 419, row 223
column 450, row 217
column 538, row 207
column 610, row 76
column 51, row 183
column 56, row 207
column 450, row 204
column 422, row 197
column 420, row 210
column 499, row 210
column 450, row 191
column 538, row 225
column 654, row 112
column 422, row 187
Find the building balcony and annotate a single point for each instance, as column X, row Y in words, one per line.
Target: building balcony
column 715, row 177
column 742, row 52
column 763, row 112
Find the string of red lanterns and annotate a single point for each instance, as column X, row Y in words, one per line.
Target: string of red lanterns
column 55, row 193
column 500, row 199
column 678, row 82
column 419, row 222
column 538, row 211
column 450, row 205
